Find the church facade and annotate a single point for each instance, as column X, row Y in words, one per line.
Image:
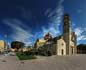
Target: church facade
column 67, row 44
column 64, row 44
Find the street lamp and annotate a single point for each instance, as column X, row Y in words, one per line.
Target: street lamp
column 6, row 43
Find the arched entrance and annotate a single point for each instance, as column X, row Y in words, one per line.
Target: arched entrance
column 62, row 52
column 72, row 50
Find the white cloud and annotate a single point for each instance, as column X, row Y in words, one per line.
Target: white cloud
column 22, row 34
column 19, row 33
column 55, row 18
column 56, row 15
column 53, row 30
column 82, row 37
column 80, row 32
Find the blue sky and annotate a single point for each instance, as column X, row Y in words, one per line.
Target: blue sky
column 27, row 20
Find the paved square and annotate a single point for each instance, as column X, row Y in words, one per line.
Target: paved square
column 75, row 62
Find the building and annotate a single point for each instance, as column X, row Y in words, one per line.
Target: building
column 2, row 46
column 64, row 44
column 67, row 43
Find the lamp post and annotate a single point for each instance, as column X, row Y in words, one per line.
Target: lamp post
column 6, row 42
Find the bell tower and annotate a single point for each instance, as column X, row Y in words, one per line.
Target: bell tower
column 67, row 32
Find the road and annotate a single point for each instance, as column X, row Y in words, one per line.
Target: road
column 75, row 62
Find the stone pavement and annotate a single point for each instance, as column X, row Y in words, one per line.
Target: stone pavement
column 75, row 62
column 9, row 63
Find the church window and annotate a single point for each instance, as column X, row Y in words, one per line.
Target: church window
column 62, row 44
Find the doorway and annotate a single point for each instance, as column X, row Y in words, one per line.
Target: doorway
column 62, row 51
column 72, row 50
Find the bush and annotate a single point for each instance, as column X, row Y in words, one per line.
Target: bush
column 23, row 56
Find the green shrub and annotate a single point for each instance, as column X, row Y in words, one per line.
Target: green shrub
column 23, row 56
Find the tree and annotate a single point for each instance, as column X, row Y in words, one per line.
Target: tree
column 17, row 45
column 81, row 48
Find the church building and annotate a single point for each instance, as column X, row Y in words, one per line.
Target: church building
column 64, row 44
column 67, row 44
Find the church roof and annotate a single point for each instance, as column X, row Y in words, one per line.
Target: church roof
column 54, row 40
